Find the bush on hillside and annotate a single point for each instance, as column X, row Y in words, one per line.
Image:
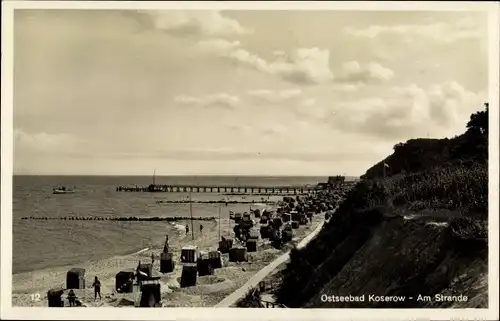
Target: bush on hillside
column 455, row 188
column 463, row 188
column 417, row 155
column 250, row 300
column 469, row 229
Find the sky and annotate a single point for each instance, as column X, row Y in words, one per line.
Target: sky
column 106, row 92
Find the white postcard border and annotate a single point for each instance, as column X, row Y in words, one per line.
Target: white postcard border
column 9, row 312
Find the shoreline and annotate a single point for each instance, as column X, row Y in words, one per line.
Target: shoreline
column 41, row 280
column 139, row 252
column 101, row 234
column 208, row 292
column 84, row 258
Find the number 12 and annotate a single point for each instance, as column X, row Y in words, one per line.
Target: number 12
column 35, row 297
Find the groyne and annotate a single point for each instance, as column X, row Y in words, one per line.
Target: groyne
column 262, row 194
column 215, row 202
column 130, row 218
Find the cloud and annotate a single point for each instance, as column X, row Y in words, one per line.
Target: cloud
column 412, row 111
column 268, row 130
column 349, row 87
column 275, row 96
column 43, row 143
column 274, row 130
column 214, row 100
column 443, row 32
column 195, row 23
column 305, row 65
column 309, row 102
column 352, row 71
column 239, row 128
column 308, row 110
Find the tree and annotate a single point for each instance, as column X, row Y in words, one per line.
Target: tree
column 422, row 154
column 473, row 144
column 479, row 121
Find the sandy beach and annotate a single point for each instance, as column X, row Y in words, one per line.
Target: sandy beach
column 30, row 288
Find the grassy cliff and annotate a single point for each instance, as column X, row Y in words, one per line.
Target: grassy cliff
column 419, row 227
column 422, row 155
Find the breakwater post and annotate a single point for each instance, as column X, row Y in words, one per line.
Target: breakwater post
column 129, row 218
column 214, row 202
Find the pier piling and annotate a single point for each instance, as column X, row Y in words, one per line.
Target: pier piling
column 212, row 188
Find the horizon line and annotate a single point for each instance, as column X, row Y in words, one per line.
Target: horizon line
column 170, row 175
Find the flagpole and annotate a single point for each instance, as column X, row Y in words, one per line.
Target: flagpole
column 229, row 226
column 220, row 206
column 191, row 211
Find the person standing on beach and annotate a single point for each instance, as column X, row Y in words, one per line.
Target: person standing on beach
column 201, row 229
column 72, row 298
column 97, row 288
column 187, row 229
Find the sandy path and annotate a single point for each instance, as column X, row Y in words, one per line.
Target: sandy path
column 259, row 276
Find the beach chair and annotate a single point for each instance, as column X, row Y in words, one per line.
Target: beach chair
column 150, row 294
column 144, row 271
column 167, row 264
column 238, row 254
column 238, row 217
column 189, row 275
column 215, row 259
column 75, row 278
column 189, row 254
column 286, row 236
column 252, row 245
column 225, row 245
column 265, row 231
column 204, row 266
column 54, row 297
column 124, row 282
column 277, row 222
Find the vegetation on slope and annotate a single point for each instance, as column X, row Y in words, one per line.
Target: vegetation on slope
column 250, row 300
column 445, row 179
column 416, row 155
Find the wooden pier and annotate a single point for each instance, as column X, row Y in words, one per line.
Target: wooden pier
column 301, row 189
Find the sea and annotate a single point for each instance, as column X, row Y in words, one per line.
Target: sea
column 39, row 244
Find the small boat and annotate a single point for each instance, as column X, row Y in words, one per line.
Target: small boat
column 153, row 187
column 62, row 190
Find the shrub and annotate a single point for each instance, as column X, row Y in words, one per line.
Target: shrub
column 250, row 300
